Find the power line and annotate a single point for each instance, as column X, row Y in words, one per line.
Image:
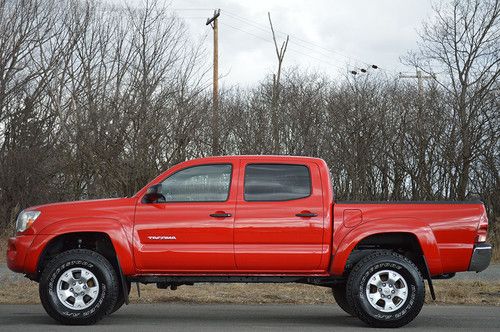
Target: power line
column 247, row 32
column 292, row 41
column 296, row 41
column 291, row 50
column 261, row 27
column 300, row 42
column 195, row 9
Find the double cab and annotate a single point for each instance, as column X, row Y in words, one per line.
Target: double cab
column 247, row 219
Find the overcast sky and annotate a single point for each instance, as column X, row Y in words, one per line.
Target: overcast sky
column 325, row 35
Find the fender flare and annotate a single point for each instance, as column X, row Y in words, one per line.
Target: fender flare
column 118, row 234
column 419, row 229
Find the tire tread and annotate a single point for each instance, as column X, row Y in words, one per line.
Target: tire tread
column 357, row 270
column 82, row 254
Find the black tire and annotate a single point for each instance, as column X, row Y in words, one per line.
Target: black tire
column 105, row 298
column 360, row 276
column 121, row 298
column 340, row 295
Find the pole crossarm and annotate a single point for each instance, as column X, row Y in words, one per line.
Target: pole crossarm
column 213, row 18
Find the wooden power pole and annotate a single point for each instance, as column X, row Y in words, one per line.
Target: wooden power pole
column 215, row 103
column 420, row 78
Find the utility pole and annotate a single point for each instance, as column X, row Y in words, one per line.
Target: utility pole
column 421, row 140
column 420, row 78
column 215, row 103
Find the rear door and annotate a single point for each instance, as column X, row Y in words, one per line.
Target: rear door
column 279, row 218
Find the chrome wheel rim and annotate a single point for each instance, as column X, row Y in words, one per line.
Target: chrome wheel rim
column 386, row 290
column 77, row 288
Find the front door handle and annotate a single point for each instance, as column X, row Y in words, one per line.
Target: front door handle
column 220, row 215
column 306, row 214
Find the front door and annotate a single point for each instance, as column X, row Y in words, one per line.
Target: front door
column 279, row 218
column 191, row 230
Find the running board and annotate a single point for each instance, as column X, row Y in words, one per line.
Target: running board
column 189, row 280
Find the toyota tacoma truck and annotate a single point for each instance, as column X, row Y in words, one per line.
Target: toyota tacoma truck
column 246, row 219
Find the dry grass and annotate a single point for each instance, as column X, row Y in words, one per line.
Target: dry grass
column 18, row 292
column 466, row 292
column 3, row 248
column 496, row 254
column 447, row 291
column 4, row 237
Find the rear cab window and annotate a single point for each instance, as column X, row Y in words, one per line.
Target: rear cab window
column 276, row 182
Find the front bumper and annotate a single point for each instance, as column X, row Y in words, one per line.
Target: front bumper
column 16, row 253
column 481, row 257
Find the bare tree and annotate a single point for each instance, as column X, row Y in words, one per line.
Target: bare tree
column 96, row 99
column 280, row 54
column 464, row 42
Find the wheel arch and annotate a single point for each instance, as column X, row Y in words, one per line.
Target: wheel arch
column 405, row 243
column 96, row 241
column 418, row 242
column 107, row 237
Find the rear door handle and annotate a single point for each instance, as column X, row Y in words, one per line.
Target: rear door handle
column 220, row 215
column 306, row 214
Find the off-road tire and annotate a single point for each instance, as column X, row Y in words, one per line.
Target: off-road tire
column 340, row 295
column 96, row 264
column 359, row 278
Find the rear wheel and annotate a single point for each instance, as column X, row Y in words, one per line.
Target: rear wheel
column 78, row 287
column 385, row 289
column 340, row 295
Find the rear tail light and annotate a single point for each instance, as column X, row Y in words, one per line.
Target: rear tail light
column 482, row 229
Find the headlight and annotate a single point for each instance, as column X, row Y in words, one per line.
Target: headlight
column 25, row 219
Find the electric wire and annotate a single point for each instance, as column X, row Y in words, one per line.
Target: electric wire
column 296, row 38
column 297, row 41
column 291, row 50
column 294, row 41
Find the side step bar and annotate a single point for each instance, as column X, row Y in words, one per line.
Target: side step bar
column 179, row 280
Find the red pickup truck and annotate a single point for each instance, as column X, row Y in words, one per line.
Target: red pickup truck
column 247, row 219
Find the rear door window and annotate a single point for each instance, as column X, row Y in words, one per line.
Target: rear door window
column 276, row 182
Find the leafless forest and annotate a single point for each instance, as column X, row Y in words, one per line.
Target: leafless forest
column 96, row 100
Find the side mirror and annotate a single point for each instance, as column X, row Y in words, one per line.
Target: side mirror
column 154, row 195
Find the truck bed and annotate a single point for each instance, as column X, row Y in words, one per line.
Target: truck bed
column 446, row 230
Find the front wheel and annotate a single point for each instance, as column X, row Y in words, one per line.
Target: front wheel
column 78, row 287
column 339, row 293
column 386, row 289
